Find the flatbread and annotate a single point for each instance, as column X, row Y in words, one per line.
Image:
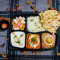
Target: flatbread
column 50, row 20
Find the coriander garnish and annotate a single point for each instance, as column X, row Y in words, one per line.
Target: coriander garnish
column 33, row 40
column 18, row 42
column 35, row 24
column 21, row 35
column 31, row 20
column 28, row 43
column 38, row 27
column 15, row 36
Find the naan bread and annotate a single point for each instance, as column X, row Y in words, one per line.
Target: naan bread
column 50, row 20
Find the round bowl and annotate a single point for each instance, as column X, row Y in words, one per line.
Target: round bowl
column 4, row 24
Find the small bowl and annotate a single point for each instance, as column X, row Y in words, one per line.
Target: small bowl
column 4, row 24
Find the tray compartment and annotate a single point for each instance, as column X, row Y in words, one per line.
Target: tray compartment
column 14, row 17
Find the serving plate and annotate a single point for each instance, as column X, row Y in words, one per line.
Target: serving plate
column 27, row 32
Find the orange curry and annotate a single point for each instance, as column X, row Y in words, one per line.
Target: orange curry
column 33, row 41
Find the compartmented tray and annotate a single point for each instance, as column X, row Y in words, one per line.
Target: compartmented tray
column 27, row 32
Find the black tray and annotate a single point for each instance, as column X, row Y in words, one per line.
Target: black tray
column 26, row 32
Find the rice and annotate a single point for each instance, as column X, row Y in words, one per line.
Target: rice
column 34, row 25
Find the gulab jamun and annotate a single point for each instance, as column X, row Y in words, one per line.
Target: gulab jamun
column 4, row 26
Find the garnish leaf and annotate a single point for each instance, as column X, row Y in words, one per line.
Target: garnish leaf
column 28, row 43
column 33, row 40
column 21, row 35
column 38, row 27
column 31, row 20
column 15, row 36
column 35, row 24
column 18, row 42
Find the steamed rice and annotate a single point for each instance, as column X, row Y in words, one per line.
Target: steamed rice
column 34, row 25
